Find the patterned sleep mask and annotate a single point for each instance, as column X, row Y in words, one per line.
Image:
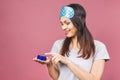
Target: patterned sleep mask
column 67, row 12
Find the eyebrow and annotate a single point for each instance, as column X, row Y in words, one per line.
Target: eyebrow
column 64, row 21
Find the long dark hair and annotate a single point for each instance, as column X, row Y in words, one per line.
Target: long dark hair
column 84, row 36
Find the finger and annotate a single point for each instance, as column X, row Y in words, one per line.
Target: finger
column 35, row 58
column 41, row 61
column 50, row 54
column 56, row 59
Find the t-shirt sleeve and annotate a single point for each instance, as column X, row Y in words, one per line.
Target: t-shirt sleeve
column 101, row 52
column 56, row 46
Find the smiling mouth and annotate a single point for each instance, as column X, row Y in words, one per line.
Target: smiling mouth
column 66, row 32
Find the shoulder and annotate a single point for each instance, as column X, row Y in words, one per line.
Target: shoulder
column 99, row 46
column 57, row 45
column 101, row 50
column 59, row 42
column 99, row 43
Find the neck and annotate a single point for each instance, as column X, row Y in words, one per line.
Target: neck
column 74, row 43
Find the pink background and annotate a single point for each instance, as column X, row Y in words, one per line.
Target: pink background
column 29, row 27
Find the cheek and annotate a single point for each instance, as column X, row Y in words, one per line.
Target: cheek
column 74, row 30
column 71, row 26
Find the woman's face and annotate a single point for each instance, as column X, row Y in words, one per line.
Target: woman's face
column 68, row 27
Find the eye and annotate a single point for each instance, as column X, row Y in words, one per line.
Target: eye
column 67, row 23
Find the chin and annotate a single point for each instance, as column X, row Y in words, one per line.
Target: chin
column 69, row 36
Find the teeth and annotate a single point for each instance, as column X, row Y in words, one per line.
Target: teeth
column 67, row 30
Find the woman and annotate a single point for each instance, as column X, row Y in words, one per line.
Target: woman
column 78, row 56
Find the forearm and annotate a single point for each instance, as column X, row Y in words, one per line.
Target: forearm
column 79, row 72
column 53, row 72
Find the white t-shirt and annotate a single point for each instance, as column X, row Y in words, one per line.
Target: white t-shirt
column 86, row 64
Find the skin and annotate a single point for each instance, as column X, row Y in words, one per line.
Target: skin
column 54, row 58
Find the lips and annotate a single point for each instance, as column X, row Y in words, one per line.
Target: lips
column 67, row 31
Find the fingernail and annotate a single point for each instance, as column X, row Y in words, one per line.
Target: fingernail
column 46, row 53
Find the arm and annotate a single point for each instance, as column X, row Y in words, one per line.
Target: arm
column 95, row 73
column 53, row 71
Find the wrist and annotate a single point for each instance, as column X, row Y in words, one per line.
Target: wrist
column 68, row 62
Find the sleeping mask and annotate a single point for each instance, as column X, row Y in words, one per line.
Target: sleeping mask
column 67, row 12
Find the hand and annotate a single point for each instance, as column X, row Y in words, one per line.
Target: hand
column 41, row 61
column 56, row 58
